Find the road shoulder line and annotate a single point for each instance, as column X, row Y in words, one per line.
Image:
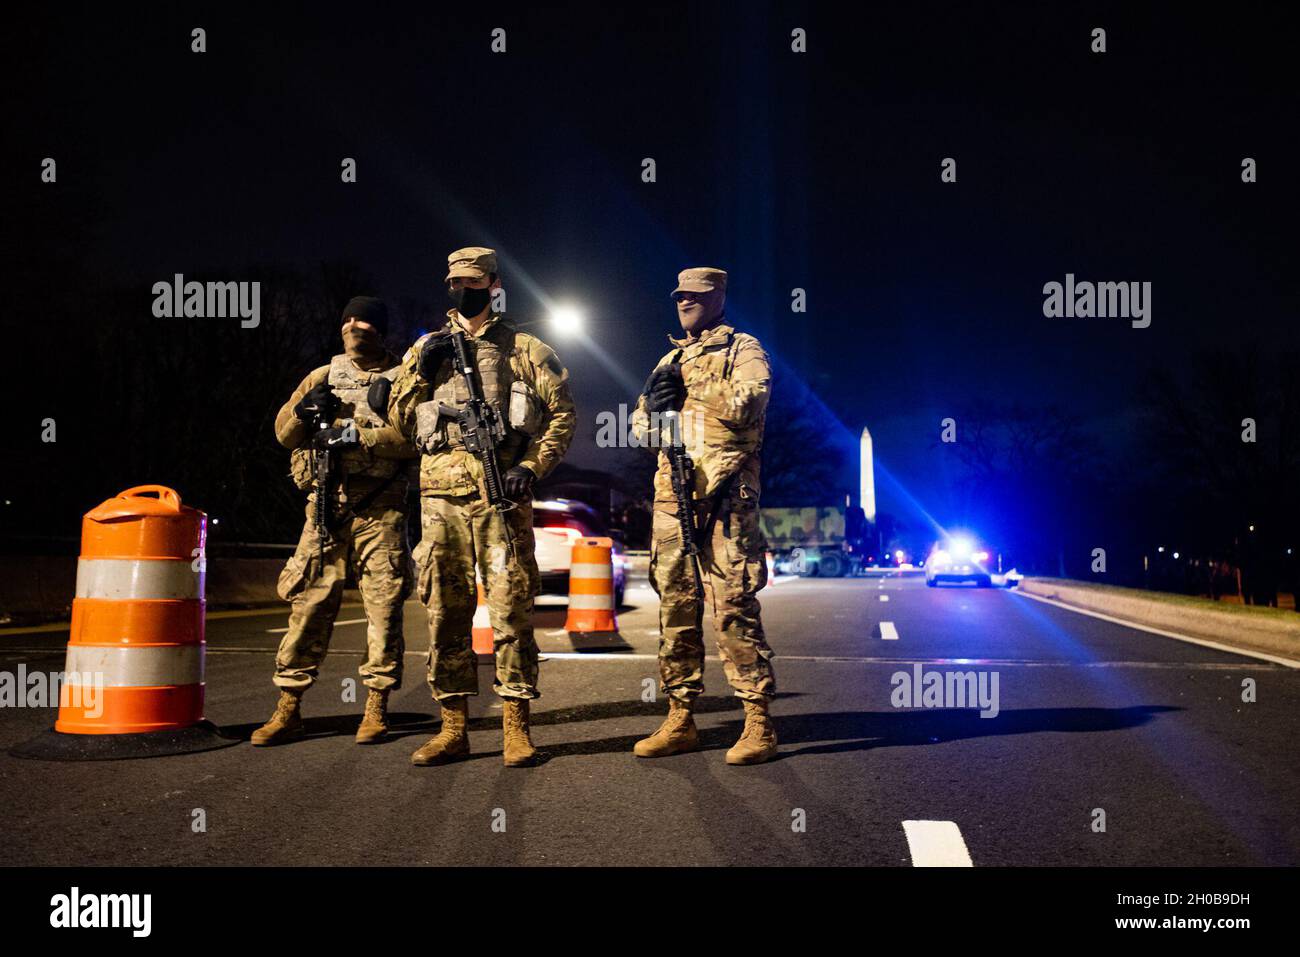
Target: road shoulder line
column 1203, row 642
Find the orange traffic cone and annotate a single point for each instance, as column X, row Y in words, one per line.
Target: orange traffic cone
column 591, row 587
column 135, row 652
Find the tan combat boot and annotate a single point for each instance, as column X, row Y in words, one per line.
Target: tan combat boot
column 286, row 724
column 676, row 735
column 758, row 741
column 452, row 741
column 374, row 723
column 519, row 750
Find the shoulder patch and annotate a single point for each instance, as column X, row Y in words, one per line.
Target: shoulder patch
column 540, row 354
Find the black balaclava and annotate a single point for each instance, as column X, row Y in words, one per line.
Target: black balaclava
column 363, row 342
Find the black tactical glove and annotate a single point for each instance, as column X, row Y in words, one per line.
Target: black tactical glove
column 436, row 350
column 339, row 437
column 377, row 397
column 665, row 389
column 320, row 403
column 519, row 484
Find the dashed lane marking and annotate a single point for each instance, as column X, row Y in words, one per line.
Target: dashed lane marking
column 888, row 632
column 936, row 844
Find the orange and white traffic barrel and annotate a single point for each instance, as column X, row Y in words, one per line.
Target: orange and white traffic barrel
column 135, row 653
column 591, row 587
column 482, row 631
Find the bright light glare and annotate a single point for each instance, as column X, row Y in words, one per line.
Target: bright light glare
column 960, row 547
column 981, row 556
column 567, row 320
column 939, row 558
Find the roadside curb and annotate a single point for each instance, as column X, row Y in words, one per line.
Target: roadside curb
column 1275, row 642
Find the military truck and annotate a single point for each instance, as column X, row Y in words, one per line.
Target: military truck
column 816, row 542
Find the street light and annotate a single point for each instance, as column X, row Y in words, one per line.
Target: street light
column 567, row 320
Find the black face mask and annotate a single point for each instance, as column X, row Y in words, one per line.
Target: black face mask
column 470, row 302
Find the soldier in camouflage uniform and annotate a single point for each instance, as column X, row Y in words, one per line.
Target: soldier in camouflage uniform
column 366, row 525
column 521, row 376
column 719, row 379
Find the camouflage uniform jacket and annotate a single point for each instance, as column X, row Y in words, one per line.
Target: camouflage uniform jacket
column 380, row 450
column 728, row 380
column 451, row 470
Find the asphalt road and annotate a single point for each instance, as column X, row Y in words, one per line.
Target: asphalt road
column 1091, row 715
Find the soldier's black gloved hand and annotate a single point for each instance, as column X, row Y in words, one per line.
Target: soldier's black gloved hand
column 320, row 402
column 436, row 350
column 519, row 484
column 339, row 437
column 665, row 390
column 377, row 397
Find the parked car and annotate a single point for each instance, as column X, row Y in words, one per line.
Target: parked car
column 557, row 524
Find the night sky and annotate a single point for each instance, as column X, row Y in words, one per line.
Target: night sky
column 817, row 170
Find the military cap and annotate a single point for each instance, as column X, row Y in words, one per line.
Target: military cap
column 474, row 262
column 701, row 279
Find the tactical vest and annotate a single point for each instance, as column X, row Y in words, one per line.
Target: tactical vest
column 445, row 466
column 351, row 385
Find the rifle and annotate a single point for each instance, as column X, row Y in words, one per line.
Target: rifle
column 325, row 468
column 682, row 470
column 481, row 431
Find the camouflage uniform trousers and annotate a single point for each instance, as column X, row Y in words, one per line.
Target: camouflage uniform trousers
column 462, row 534
column 374, row 544
column 734, row 568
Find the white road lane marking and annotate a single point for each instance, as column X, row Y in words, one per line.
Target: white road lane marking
column 19, row 653
column 349, row 621
column 888, row 632
column 936, row 844
column 1203, row 642
column 884, row 598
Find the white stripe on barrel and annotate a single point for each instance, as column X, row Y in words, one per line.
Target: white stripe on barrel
column 589, row 570
column 137, row 666
column 605, row 601
column 138, row 579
